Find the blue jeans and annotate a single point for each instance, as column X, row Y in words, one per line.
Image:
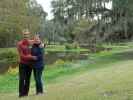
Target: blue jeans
column 38, row 79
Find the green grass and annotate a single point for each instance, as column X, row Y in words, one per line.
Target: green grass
column 104, row 76
column 51, row 48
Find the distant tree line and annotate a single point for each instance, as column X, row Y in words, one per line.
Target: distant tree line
column 81, row 21
column 16, row 15
column 90, row 21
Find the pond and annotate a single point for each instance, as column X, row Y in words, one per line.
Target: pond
column 51, row 57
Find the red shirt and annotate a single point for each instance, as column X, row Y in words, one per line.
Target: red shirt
column 24, row 51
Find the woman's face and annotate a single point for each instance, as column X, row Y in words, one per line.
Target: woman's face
column 37, row 40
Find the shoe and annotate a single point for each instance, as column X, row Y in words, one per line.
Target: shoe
column 40, row 94
column 21, row 96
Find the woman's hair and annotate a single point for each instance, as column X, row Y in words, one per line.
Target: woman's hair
column 37, row 35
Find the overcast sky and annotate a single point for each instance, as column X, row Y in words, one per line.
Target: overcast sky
column 46, row 4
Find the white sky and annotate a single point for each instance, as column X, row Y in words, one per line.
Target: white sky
column 46, row 4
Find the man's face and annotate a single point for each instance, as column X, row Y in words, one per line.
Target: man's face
column 26, row 35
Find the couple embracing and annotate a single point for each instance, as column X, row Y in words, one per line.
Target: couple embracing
column 31, row 59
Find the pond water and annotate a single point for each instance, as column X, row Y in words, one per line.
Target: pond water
column 51, row 58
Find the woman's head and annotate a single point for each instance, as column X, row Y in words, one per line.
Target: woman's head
column 37, row 39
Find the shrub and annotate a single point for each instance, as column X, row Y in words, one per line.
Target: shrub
column 71, row 46
column 60, row 62
column 9, row 55
column 4, row 66
column 8, row 58
column 13, row 71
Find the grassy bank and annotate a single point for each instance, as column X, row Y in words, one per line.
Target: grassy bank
column 54, row 72
column 106, row 75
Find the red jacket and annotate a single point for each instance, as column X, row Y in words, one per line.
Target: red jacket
column 24, row 51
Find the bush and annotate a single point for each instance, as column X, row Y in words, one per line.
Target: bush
column 60, row 62
column 96, row 48
column 4, row 66
column 71, row 46
column 7, row 55
column 9, row 58
column 13, row 71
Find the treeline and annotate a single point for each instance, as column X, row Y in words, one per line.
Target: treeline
column 90, row 21
column 16, row 15
column 80, row 21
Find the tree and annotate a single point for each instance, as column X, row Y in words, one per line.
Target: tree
column 17, row 15
column 112, row 23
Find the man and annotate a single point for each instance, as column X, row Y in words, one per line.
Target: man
column 24, row 64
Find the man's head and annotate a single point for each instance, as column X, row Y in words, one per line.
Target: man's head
column 26, row 34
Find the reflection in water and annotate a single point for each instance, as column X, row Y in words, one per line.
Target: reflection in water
column 51, row 58
column 4, row 66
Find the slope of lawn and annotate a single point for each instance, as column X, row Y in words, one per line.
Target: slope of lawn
column 104, row 76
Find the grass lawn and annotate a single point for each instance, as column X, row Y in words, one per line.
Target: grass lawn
column 51, row 48
column 104, row 76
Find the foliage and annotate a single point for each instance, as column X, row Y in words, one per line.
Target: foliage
column 8, row 59
column 81, row 34
column 13, row 71
column 17, row 15
column 111, row 19
column 71, row 46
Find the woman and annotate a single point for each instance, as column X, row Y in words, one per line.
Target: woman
column 38, row 65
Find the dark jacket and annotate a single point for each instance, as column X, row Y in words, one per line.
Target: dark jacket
column 39, row 53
